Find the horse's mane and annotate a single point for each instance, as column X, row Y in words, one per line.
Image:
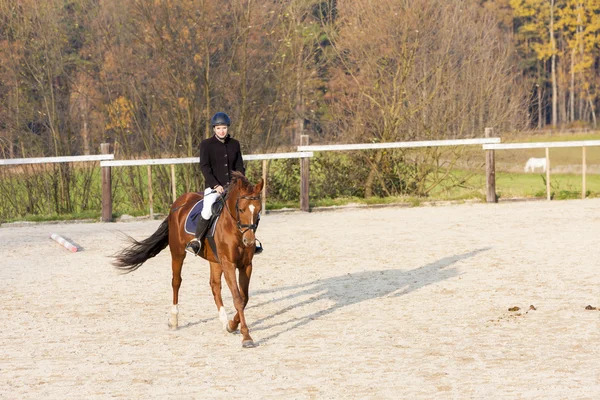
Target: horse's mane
column 238, row 179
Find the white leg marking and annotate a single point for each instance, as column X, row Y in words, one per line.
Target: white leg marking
column 173, row 319
column 223, row 317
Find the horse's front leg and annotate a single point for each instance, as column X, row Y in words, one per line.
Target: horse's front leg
column 244, row 277
column 215, row 284
column 239, row 301
column 176, row 265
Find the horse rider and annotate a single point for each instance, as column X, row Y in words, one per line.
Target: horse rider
column 219, row 156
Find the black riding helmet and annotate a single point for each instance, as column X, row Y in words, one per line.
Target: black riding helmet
column 220, row 118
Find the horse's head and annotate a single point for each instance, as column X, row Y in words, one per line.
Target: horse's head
column 244, row 204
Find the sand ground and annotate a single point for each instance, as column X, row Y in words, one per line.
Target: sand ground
column 375, row 303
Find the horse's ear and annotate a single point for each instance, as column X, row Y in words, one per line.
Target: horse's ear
column 259, row 186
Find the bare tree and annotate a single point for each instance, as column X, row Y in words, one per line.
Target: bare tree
column 420, row 70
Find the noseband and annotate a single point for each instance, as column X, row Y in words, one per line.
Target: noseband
column 237, row 211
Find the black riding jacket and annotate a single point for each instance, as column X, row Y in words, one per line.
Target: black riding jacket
column 218, row 159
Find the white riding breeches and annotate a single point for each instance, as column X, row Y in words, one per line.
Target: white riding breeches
column 210, row 196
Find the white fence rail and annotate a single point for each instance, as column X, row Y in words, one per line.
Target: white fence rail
column 541, row 145
column 194, row 160
column 487, row 140
column 46, row 160
column 106, row 180
column 304, row 153
column 548, row 145
column 394, row 145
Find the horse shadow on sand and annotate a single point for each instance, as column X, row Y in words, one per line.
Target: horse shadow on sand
column 349, row 289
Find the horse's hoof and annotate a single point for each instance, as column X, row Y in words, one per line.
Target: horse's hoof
column 248, row 344
column 228, row 328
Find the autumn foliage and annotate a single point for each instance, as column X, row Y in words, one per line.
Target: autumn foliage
column 146, row 75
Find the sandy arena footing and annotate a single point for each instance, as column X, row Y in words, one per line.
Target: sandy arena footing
column 382, row 303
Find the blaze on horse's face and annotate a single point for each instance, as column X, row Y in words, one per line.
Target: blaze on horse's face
column 248, row 207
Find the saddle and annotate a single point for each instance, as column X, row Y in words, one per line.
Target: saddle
column 191, row 221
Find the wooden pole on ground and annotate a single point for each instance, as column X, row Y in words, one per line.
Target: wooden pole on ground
column 583, row 172
column 304, row 165
column 264, row 190
column 547, row 173
column 490, row 171
column 106, row 187
column 150, row 192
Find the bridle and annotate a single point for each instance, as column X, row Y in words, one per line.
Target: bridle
column 243, row 228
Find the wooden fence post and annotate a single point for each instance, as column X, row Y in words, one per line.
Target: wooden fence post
column 264, row 190
column 304, row 165
column 150, row 200
column 490, row 171
column 583, row 172
column 547, row 173
column 106, row 187
column 173, row 183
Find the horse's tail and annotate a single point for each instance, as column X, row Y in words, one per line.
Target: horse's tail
column 132, row 257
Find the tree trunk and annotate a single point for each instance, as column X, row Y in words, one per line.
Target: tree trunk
column 540, row 98
column 582, row 102
column 540, row 114
column 299, row 105
column 299, row 98
column 553, row 68
column 572, row 89
column 207, row 127
column 372, row 174
column 593, row 111
column 244, row 77
column 16, row 126
column 85, row 136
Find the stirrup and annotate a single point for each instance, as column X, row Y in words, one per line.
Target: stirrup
column 259, row 248
column 193, row 247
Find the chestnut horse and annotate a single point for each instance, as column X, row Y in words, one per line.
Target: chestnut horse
column 235, row 246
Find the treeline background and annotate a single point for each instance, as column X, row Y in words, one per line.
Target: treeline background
column 147, row 75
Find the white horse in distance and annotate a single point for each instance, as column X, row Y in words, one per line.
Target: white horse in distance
column 535, row 163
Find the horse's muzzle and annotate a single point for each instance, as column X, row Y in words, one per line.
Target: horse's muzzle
column 248, row 238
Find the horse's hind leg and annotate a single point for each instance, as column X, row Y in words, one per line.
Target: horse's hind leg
column 215, row 284
column 238, row 301
column 176, row 265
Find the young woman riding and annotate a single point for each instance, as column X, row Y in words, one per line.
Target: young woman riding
column 220, row 155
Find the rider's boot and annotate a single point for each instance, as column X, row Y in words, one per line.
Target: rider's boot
column 258, row 249
column 194, row 246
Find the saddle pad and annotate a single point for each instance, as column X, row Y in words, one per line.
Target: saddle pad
column 191, row 221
